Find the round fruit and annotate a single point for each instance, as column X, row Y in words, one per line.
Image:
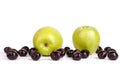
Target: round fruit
column 46, row 40
column 111, row 50
column 84, row 53
column 22, row 52
column 99, row 49
column 7, row 49
column 76, row 55
column 35, row 55
column 86, row 38
column 32, row 50
column 55, row 55
column 62, row 52
column 70, row 53
column 102, row 54
column 26, row 48
column 66, row 49
column 112, row 55
column 12, row 55
column 107, row 48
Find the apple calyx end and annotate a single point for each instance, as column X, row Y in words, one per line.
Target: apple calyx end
column 46, row 44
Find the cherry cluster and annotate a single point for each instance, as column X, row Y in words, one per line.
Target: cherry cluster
column 12, row 53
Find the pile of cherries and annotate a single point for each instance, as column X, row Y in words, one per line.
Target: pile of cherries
column 107, row 52
column 12, row 54
column 74, row 54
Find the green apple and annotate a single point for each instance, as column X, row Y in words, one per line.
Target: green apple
column 46, row 40
column 86, row 37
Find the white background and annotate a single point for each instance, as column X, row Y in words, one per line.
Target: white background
column 19, row 20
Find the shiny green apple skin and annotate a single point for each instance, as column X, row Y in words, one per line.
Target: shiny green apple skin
column 86, row 37
column 46, row 40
